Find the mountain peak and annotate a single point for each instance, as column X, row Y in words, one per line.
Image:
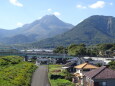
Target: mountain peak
column 49, row 16
column 50, row 19
column 46, row 27
column 100, row 16
column 93, row 30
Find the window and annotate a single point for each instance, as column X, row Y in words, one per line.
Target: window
column 104, row 84
column 85, row 70
column 100, row 83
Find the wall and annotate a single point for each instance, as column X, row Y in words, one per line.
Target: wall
column 110, row 82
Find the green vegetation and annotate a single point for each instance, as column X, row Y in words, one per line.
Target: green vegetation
column 60, row 50
column 76, row 50
column 83, row 50
column 112, row 65
column 15, row 72
column 61, row 82
column 59, row 77
column 8, row 60
column 72, row 49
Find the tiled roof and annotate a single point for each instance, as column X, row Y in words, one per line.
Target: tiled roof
column 101, row 73
column 85, row 66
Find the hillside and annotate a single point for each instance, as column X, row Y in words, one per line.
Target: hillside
column 46, row 27
column 93, row 30
column 15, row 72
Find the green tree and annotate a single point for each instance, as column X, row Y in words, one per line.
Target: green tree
column 112, row 65
column 60, row 50
column 75, row 49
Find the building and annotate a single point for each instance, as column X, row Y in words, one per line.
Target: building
column 42, row 61
column 102, row 76
column 81, row 69
column 100, row 60
column 70, row 66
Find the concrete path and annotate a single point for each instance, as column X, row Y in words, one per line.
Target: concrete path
column 40, row 77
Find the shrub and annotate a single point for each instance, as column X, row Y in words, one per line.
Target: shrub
column 17, row 73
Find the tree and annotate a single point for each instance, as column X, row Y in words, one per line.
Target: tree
column 104, row 49
column 76, row 50
column 60, row 50
column 112, row 65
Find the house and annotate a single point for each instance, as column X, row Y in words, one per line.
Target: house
column 42, row 61
column 102, row 76
column 81, row 69
column 73, row 59
column 70, row 66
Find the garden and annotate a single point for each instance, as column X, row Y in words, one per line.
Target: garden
column 59, row 77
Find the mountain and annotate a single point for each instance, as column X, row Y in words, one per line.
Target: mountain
column 46, row 27
column 93, row 30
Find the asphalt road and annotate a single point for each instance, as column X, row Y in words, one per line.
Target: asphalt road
column 40, row 77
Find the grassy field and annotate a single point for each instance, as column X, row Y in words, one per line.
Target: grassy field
column 15, row 72
column 58, row 77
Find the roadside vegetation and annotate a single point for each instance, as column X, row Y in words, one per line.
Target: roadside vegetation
column 59, row 77
column 15, row 72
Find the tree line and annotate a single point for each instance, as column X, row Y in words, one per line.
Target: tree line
column 83, row 50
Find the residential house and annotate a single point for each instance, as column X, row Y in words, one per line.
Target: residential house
column 70, row 66
column 80, row 70
column 102, row 76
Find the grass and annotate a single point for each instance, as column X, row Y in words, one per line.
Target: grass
column 61, row 82
column 58, row 77
column 15, row 72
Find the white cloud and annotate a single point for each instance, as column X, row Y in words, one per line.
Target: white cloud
column 49, row 10
column 57, row 13
column 111, row 3
column 19, row 24
column 80, row 6
column 16, row 3
column 39, row 17
column 98, row 4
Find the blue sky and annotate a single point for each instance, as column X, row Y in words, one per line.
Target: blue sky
column 15, row 13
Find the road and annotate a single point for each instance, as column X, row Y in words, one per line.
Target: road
column 40, row 77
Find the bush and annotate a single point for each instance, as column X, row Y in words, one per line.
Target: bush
column 61, row 82
column 59, row 78
column 15, row 72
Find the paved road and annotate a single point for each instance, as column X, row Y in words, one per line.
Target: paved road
column 40, row 77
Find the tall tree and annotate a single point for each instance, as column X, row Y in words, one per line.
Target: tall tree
column 76, row 50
